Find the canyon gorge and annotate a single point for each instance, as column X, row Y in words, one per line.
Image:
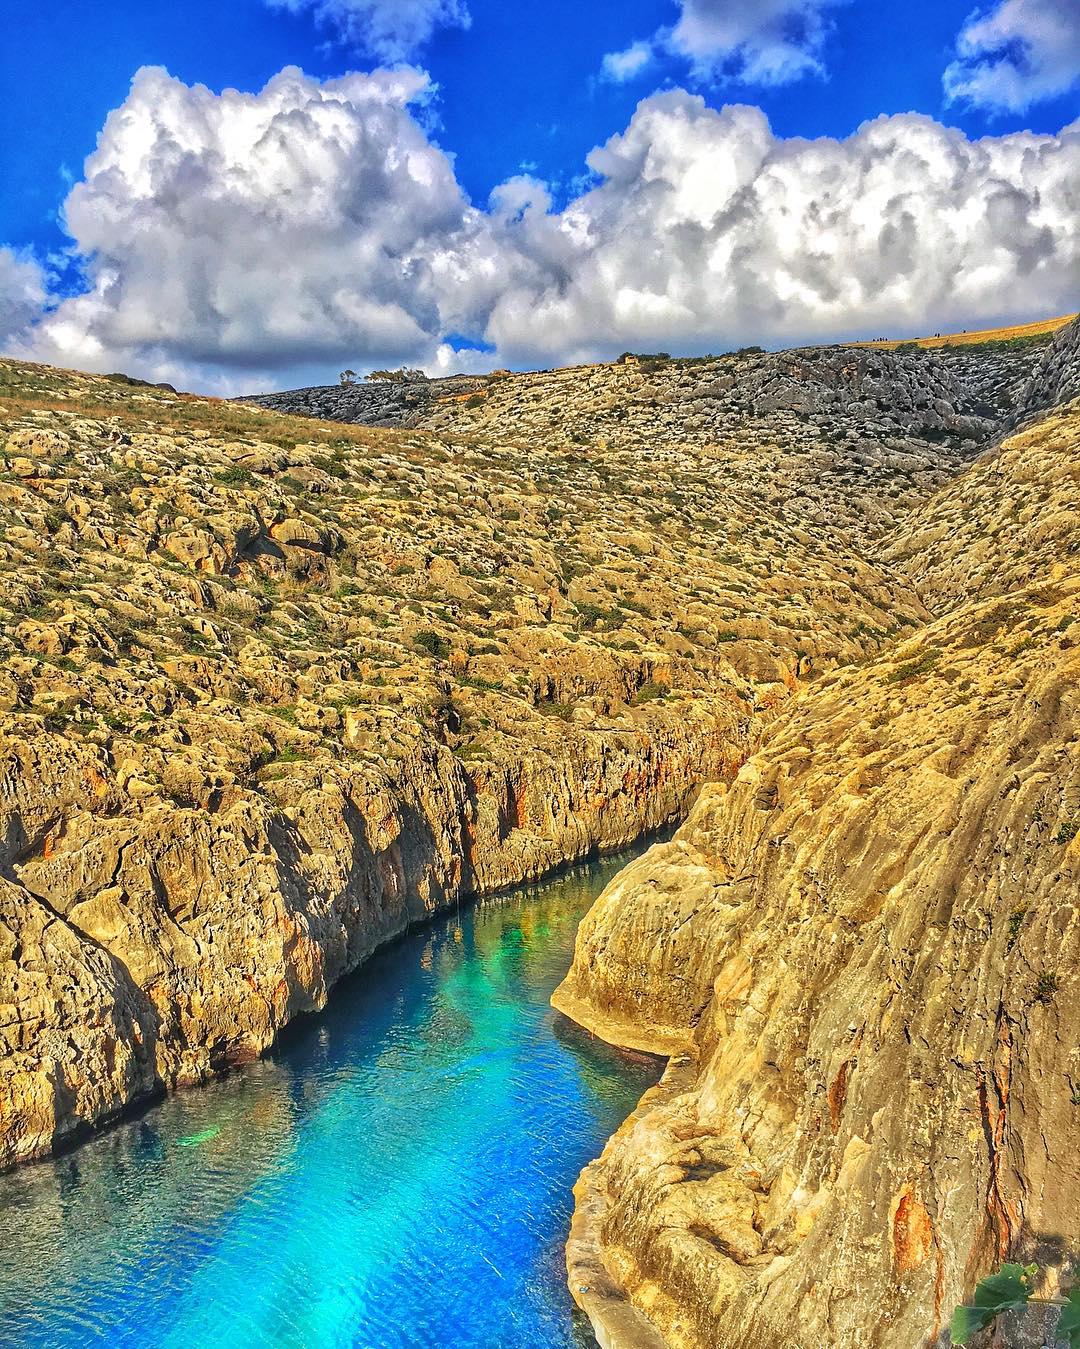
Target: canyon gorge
column 285, row 676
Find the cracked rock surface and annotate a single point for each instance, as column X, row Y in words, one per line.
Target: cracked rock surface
column 274, row 687
column 862, row 952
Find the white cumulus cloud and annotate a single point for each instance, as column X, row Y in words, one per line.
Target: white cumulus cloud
column 389, row 30
column 22, row 292
column 1019, row 53
column 766, row 42
column 306, row 223
column 238, row 241
column 706, row 229
column 757, row 41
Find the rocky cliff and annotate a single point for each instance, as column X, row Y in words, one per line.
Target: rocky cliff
column 919, row 392
column 861, row 952
column 274, row 688
column 1055, row 378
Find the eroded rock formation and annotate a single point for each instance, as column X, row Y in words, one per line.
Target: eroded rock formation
column 862, row 952
column 273, row 689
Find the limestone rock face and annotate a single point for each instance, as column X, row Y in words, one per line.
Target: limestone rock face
column 906, row 393
column 272, row 689
column 862, row 952
column 873, row 962
column 76, row 1035
column 642, row 975
column 156, row 929
column 1012, row 519
column 1055, row 378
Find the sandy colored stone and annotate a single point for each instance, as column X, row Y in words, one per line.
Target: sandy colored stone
column 274, row 689
column 884, row 1011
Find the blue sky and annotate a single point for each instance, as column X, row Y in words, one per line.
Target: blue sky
column 521, row 89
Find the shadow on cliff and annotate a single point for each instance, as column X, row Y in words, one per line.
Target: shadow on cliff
column 137, row 1022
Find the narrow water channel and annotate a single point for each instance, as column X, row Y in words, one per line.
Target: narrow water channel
column 396, row 1174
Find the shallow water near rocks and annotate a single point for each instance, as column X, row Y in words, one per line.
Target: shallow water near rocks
column 397, row 1173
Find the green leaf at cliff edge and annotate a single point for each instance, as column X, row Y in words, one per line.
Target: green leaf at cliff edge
column 1004, row 1291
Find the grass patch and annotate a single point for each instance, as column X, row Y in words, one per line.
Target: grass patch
column 913, row 668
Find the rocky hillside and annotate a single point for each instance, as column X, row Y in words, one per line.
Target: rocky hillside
column 275, row 688
column 960, row 391
column 862, row 953
column 1011, row 521
column 1055, row 378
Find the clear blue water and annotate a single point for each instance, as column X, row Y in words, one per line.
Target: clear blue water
column 396, row 1174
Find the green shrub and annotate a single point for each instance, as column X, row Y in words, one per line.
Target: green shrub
column 920, row 665
column 593, row 615
column 1010, row 1289
column 434, row 643
column 649, row 693
column 483, row 685
column 234, row 476
column 1046, row 986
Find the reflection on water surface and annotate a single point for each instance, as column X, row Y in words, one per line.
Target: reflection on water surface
column 397, row 1173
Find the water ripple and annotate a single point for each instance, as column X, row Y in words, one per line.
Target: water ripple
column 396, row 1175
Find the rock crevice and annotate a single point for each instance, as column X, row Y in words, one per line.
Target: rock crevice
column 273, row 689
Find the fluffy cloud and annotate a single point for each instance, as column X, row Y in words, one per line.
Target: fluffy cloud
column 707, row 229
column 624, row 65
column 304, row 224
column 766, row 42
column 389, row 30
column 1020, row 53
column 757, row 41
column 280, row 235
column 22, row 293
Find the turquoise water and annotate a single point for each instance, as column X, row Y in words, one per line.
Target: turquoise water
column 397, row 1174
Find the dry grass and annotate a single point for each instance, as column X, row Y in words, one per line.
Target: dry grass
column 1043, row 328
column 25, row 387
